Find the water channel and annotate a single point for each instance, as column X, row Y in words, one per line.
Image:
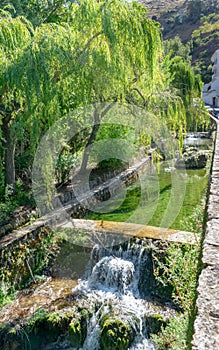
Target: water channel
column 113, row 284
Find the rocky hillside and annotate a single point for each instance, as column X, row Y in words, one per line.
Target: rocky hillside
column 194, row 21
column 159, row 7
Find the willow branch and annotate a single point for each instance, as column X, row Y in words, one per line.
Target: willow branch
column 89, row 42
column 54, row 9
column 141, row 95
column 108, row 108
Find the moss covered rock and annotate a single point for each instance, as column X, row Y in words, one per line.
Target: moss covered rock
column 12, row 342
column 154, row 323
column 193, row 160
column 115, row 334
column 43, row 329
column 77, row 330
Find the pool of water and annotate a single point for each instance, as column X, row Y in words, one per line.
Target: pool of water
column 199, row 142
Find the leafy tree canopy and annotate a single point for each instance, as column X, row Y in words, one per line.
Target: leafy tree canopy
column 101, row 52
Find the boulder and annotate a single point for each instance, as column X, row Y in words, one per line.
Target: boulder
column 115, row 334
column 192, row 159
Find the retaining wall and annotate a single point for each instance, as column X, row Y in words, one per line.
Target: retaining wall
column 206, row 336
column 75, row 208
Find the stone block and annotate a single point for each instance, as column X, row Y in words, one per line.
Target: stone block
column 211, row 255
column 206, row 327
column 212, row 232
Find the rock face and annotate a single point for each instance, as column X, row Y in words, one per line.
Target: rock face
column 193, row 159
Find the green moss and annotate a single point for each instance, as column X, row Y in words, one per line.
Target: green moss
column 77, row 330
column 115, row 334
column 44, row 328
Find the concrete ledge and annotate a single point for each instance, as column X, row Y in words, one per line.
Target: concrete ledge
column 133, row 230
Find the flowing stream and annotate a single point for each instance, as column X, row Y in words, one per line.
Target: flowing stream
column 114, row 279
column 113, row 286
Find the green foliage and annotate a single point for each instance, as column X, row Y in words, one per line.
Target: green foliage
column 10, row 203
column 197, row 9
column 24, row 260
column 57, row 65
column 172, row 336
column 65, row 164
column 37, row 11
column 180, row 271
column 113, row 137
column 175, row 47
column 189, row 87
column 7, row 293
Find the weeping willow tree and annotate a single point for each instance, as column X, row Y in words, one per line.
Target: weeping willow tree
column 15, row 36
column 176, row 100
column 37, row 11
column 32, row 87
column 188, row 86
column 119, row 49
column 107, row 52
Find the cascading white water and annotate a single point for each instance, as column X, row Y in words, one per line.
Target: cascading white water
column 113, row 283
column 113, row 273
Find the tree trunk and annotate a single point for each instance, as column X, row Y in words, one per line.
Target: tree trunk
column 9, row 156
column 91, row 139
column 97, row 118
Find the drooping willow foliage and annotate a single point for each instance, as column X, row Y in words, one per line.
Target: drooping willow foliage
column 102, row 51
column 188, row 86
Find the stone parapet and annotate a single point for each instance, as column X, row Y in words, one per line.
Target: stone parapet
column 206, row 326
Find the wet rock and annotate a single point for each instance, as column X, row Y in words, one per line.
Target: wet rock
column 45, row 329
column 193, row 159
column 154, row 323
column 77, row 330
column 10, row 338
column 115, row 334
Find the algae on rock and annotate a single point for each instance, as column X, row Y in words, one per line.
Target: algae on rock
column 115, row 334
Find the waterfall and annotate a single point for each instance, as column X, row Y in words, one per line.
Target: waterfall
column 113, row 283
column 112, row 273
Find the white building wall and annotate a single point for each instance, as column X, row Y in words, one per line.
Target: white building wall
column 210, row 93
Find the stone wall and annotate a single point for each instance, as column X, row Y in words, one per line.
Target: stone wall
column 206, row 336
column 73, row 207
column 66, row 197
column 19, row 218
